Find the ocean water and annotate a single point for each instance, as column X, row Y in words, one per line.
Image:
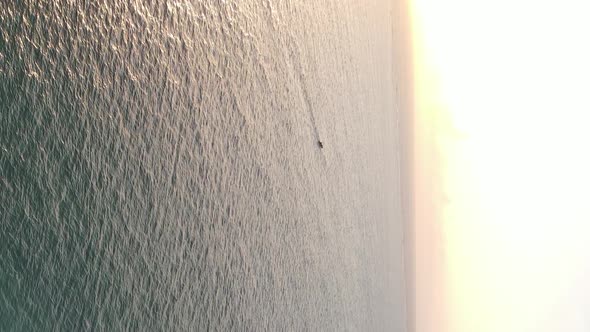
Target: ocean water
column 160, row 168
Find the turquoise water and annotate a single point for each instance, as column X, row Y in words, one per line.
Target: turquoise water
column 160, row 168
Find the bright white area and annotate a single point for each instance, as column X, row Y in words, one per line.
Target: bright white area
column 504, row 86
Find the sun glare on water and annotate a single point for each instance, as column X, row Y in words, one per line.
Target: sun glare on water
column 502, row 154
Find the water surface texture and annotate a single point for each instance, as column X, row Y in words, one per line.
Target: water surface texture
column 160, row 167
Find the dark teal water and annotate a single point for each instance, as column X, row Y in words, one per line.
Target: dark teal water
column 160, row 169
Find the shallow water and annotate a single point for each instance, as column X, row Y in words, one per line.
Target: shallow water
column 160, row 167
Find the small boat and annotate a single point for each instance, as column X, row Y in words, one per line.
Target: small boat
column 320, row 144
